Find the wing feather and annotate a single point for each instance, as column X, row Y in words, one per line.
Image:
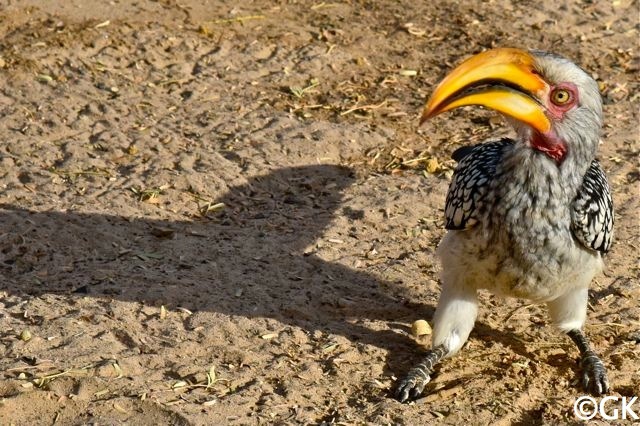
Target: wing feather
column 592, row 215
column 471, row 179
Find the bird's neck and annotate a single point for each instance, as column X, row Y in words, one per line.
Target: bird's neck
column 545, row 164
column 533, row 173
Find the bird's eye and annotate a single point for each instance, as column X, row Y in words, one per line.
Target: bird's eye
column 560, row 96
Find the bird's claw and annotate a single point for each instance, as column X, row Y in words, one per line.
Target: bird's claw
column 594, row 375
column 412, row 385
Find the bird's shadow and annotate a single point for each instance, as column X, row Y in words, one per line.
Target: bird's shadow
column 255, row 258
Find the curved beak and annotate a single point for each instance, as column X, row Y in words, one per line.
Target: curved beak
column 502, row 79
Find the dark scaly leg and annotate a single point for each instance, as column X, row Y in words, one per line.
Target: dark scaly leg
column 414, row 382
column 452, row 322
column 569, row 312
column 594, row 375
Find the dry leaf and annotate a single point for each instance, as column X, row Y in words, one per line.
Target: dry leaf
column 25, row 336
column 432, row 165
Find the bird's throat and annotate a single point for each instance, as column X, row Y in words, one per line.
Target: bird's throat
column 550, row 145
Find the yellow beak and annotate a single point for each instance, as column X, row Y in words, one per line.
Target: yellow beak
column 501, row 79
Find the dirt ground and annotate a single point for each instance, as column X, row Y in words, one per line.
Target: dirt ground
column 224, row 212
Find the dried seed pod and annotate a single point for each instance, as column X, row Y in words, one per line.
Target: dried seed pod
column 420, row 329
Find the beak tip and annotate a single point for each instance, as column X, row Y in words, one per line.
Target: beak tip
column 426, row 115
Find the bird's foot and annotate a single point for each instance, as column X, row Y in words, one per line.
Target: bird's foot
column 594, row 375
column 413, row 384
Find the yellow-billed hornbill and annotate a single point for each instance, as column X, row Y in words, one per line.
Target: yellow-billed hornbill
column 529, row 217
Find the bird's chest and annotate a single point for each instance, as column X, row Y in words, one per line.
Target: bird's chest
column 526, row 240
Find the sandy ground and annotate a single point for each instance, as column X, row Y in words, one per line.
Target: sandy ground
column 131, row 295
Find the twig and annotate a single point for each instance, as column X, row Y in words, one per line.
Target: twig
column 513, row 312
column 364, row 107
column 415, row 160
column 238, row 19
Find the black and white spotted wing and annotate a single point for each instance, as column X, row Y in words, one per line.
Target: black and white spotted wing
column 592, row 211
column 470, row 182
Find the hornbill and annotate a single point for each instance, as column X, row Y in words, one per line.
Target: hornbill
column 530, row 217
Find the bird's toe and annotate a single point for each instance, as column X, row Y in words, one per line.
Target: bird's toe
column 594, row 375
column 411, row 387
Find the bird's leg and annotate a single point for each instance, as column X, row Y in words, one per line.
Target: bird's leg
column 452, row 323
column 569, row 312
column 594, row 375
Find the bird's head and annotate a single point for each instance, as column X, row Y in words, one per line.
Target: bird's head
column 554, row 105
